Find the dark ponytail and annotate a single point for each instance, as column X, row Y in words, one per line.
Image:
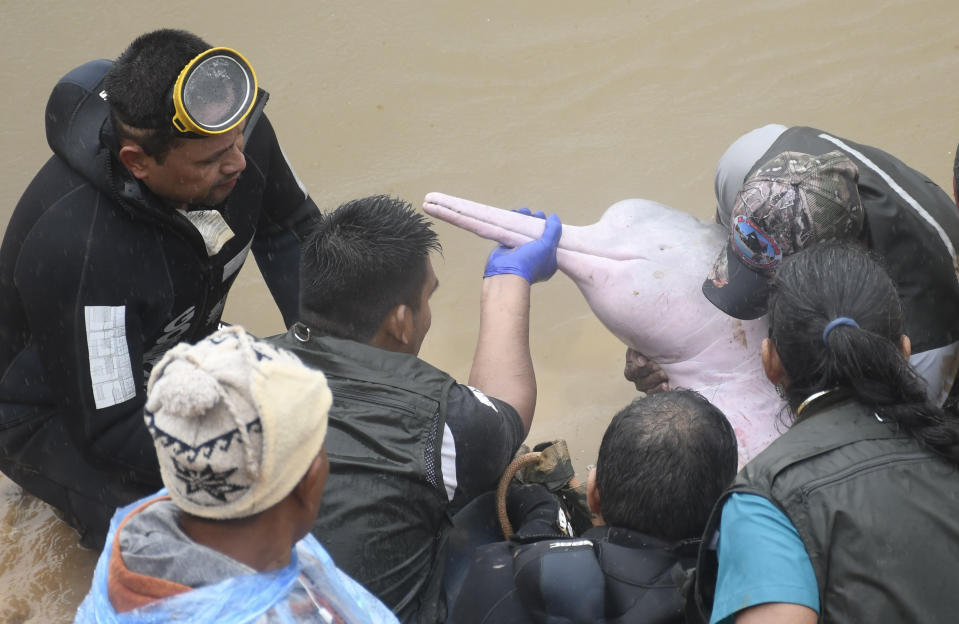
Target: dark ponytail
column 829, row 281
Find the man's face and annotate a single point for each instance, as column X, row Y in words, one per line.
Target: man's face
column 197, row 171
column 423, row 317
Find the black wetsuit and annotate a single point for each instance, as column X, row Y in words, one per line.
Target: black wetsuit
column 98, row 278
column 608, row 575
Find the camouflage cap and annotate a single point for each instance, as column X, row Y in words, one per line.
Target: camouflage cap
column 788, row 204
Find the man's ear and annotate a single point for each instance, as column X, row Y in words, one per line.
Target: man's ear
column 905, row 345
column 304, row 492
column 772, row 364
column 399, row 324
column 396, row 331
column 134, row 159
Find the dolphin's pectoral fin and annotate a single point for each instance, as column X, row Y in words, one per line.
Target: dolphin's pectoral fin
column 514, row 228
column 503, row 226
column 485, row 228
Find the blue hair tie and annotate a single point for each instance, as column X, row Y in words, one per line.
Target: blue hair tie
column 836, row 322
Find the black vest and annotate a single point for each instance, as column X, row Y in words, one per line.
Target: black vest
column 383, row 517
column 913, row 251
column 878, row 515
column 609, row 575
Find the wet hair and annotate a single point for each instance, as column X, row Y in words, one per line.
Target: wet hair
column 663, row 463
column 361, row 261
column 830, row 280
column 139, row 86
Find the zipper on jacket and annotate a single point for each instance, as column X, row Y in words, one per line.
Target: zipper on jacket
column 892, row 458
column 362, row 398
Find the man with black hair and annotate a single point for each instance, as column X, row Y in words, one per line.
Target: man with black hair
column 664, row 461
column 409, row 446
column 125, row 243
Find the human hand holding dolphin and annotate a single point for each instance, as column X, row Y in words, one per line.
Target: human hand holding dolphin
column 502, row 363
column 646, row 374
column 535, row 261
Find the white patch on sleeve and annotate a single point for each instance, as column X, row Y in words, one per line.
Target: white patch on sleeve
column 448, row 462
column 299, row 182
column 575, row 544
column 482, row 398
column 236, row 262
column 111, row 375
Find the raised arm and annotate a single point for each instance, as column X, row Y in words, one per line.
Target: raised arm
column 502, row 364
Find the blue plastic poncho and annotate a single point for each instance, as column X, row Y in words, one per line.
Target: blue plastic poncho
column 247, row 598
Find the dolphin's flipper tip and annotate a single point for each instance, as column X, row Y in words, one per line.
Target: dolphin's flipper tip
column 439, row 204
column 505, row 227
column 433, row 197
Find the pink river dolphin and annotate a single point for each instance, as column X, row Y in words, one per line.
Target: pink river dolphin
column 641, row 269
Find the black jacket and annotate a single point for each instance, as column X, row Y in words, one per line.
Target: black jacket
column 98, row 278
column 877, row 513
column 384, row 517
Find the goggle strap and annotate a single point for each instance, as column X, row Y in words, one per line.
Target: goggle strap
column 254, row 116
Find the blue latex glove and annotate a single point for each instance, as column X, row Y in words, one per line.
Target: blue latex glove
column 534, row 261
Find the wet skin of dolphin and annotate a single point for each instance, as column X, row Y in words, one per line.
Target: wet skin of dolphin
column 641, row 269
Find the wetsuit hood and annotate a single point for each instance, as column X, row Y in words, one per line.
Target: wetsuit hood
column 80, row 132
column 77, row 113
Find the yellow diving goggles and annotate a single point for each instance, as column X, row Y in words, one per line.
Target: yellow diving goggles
column 214, row 92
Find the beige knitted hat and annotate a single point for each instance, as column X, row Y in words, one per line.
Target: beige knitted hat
column 236, row 423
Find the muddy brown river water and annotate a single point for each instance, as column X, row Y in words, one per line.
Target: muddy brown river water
column 558, row 105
